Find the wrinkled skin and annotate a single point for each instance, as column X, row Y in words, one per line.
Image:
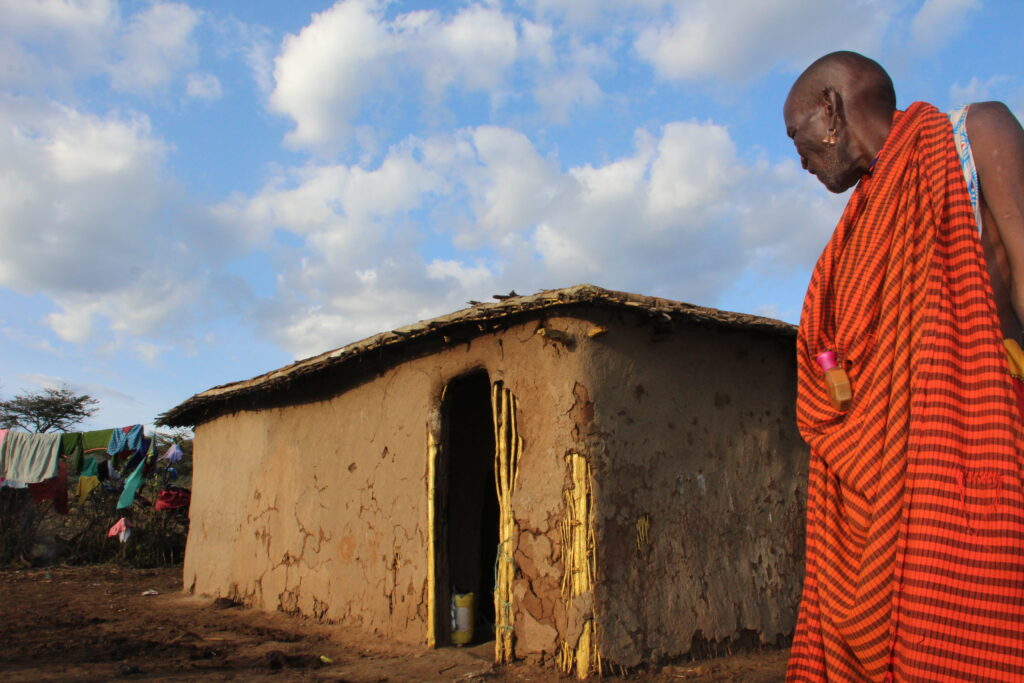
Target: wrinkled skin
column 815, row 116
column 809, row 125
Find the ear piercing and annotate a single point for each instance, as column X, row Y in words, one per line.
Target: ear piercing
column 830, row 139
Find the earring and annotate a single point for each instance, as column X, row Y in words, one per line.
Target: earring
column 830, row 139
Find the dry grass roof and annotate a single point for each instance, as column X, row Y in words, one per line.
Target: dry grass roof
column 478, row 319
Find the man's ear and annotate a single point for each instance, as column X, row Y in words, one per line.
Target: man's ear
column 832, row 105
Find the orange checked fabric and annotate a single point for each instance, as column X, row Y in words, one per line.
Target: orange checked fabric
column 915, row 510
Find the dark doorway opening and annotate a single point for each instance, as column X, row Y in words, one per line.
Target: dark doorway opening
column 468, row 501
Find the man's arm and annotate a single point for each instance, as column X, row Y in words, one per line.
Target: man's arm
column 997, row 142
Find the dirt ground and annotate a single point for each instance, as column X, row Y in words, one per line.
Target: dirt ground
column 95, row 624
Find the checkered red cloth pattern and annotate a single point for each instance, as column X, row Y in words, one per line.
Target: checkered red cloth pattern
column 915, row 510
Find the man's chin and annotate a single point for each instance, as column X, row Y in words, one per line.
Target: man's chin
column 837, row 186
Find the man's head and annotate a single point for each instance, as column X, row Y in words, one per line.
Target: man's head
column 838, row 114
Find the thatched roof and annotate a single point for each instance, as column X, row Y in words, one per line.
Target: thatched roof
column 378, row 351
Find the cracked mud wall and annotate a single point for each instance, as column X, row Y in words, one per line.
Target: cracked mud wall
column 321, row 508
column 700, row 478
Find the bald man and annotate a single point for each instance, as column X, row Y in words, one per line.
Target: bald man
column 915, row 520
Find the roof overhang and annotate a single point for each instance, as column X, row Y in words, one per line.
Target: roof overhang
column 385, row 348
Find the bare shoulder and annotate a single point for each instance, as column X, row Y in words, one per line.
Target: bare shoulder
column 992, row 123
column 997, row 144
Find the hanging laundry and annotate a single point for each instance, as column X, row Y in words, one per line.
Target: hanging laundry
column 138, row 455
column 125, row 439
column 95, row 443
column 173, row 498
column 4, row 480
column 173, row 454
column 55, row 489
column 29, row 458
column 122, row 529
column 89, row 479
column 150, row 456
column 71, row 450
column 131, row 485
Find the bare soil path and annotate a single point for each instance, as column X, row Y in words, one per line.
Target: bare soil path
column 95, row 624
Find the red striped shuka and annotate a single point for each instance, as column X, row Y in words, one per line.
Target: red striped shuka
column 915, row 509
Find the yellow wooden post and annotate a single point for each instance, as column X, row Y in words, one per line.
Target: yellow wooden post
column 507, row 449
column 580, row 566
column 431, row 538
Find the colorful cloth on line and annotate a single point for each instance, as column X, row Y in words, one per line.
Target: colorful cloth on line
column 29, row 458
column 89, row 479
column 125, row 440
column 55, row 489
column 122, row 529
column 144, row 450
column 173, row 498
column 131, row 486
column 3, row 479
column 915, row 509
column 173, row 454
column 71, row 449
column 95, row 443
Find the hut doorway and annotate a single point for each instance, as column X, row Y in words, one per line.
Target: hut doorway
column 467, row 544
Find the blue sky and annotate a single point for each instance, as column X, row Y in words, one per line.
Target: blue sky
column 193, row 193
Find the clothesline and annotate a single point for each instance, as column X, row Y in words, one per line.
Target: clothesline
column 43, row 462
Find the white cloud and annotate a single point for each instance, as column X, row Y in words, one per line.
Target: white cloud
column 707, row 39
column 88, row 220
column 323, row 72
column 939, row 20
column 695, row 166
column 350, row 53
column 154, row 46
column 537, row 42
column 257, row 52
column 559, row 95
column 148, row 304
column 203, row 86
column 88, row 216
column 399, row 289
column 473, row 278
column 681, row 216
column 976, row 90
column 73, row 187
column 566, row 70
column 148, row 351
column 53, row 42
column 474, row 49
column 338, row 208
column 115, row 406
column 592, row 12
column 512, row 185
column 43, row 41
column 790, row 218
column 94, row 390
column 84, row 16
column 31, row 341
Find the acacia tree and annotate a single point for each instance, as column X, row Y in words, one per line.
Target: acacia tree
column 51, row 409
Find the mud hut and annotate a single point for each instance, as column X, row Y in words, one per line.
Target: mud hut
column 617, row 478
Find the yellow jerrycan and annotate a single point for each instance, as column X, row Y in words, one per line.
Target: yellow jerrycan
column 463, row 616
